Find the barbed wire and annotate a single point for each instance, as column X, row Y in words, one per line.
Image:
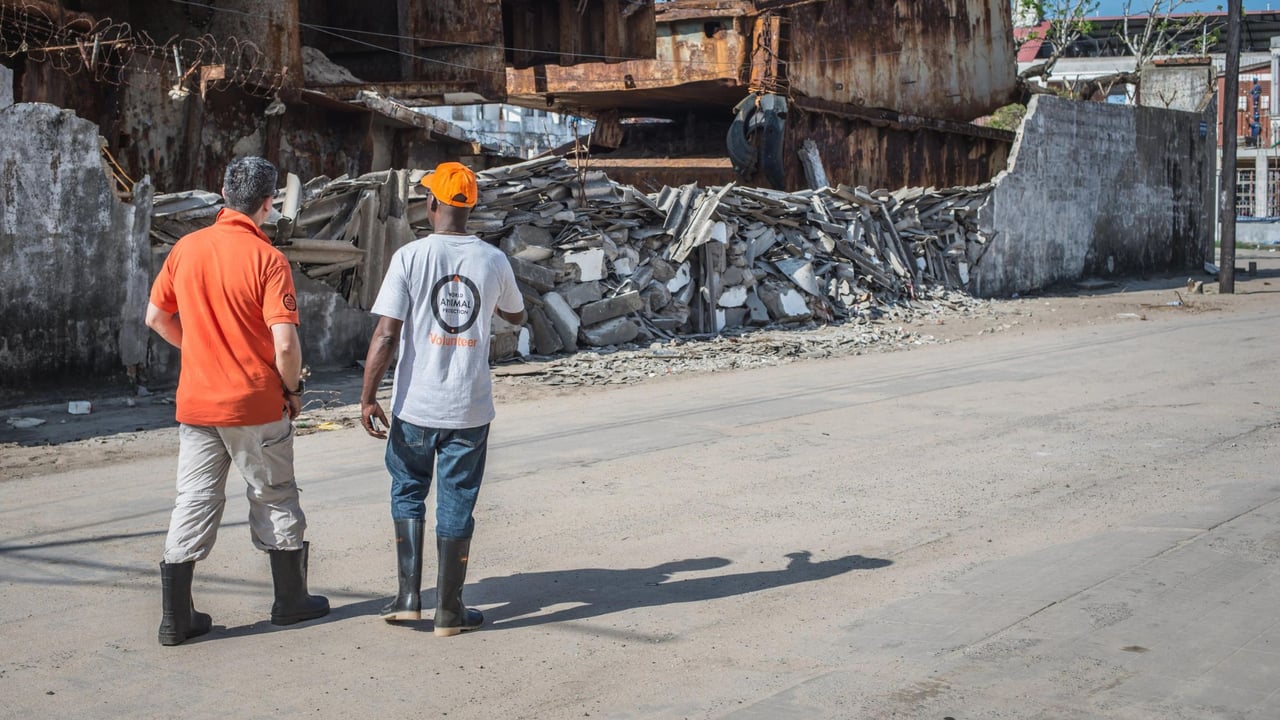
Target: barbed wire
column 108, row 51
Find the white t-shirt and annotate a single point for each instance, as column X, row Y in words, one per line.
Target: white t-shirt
column 445, row 288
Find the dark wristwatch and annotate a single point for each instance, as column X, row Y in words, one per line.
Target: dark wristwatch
column 298, row 392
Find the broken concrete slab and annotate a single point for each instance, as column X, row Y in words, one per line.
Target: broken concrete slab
column 535, row 276
column 785, row 304
column 759, row 314
column 617, row 331
column 801, row 273
column 579, row 294
column 528, row 242
column 565, row 320
column 590, row 264
column 546, row 339
column 681, row 278
column 597, row 312
column 734, row 296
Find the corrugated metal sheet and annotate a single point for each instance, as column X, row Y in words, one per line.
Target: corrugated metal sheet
column 949, row 59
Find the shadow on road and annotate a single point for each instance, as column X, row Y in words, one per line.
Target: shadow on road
column 601, row 591
column 524, row 597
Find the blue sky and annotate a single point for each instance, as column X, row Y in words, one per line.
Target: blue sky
column 1116, row 7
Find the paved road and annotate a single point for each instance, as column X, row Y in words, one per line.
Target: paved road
column 1072, row 525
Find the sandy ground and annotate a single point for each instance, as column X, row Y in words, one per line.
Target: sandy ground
column 123, row 428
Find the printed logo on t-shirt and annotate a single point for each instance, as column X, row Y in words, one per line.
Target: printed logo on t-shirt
column 455, row 301
column 290, row 303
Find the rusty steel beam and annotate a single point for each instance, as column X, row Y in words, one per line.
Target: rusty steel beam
column 691, row 70
column 902, row 121
column 406, row 92
column 700, row 9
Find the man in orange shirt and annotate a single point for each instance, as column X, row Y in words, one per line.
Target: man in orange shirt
column 225, row 298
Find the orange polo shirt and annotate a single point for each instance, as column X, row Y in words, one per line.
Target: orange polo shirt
column 228, row 286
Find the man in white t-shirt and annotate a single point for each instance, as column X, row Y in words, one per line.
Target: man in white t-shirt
column 436, row 304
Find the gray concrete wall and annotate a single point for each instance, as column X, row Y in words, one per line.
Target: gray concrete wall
column 1258, row 232
column 1098, row 190
column 333, row 334
column 6, row 87
column 76, row 259
column 1176, row 87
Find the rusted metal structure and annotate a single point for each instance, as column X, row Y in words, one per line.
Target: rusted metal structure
column 885, row 89
column 433, row 52
column 320, row 87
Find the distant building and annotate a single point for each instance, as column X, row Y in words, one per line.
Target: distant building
column 515, row 131
column 1179, row 82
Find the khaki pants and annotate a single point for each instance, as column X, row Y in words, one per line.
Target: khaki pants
column 264, row 456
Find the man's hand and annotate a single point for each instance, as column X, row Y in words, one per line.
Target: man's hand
column 374, row 420
column 382, row 348
column 295, row 405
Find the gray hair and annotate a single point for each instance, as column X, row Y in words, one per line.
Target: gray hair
column 248, row 182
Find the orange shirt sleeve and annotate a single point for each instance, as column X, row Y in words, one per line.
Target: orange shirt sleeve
column 279, row 299
column 162, row 293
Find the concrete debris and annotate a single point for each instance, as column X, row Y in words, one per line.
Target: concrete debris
column 745, row 347
column 605, row 264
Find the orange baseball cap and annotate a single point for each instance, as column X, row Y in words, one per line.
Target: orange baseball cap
column 453, row 184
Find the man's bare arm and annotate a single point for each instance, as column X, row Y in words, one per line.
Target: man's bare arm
column 288, row 363
column 382, row 350
column 515, row 318
column 288, row 354
column 166, row 324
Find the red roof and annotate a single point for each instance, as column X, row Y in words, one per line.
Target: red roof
column 1029, row 49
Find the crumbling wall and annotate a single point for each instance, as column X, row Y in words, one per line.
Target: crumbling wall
column 6, row 87
column 76, row 258
column 1098, row 190
column 1177, row 87
column 331, row 332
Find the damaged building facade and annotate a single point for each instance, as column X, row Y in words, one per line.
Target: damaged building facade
column 873, row 93
column 172, row 91
column 811, row 219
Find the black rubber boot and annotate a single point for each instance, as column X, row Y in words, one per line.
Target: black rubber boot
column 408, row 603
column 179, row 620
column 452, row 617
column 293, row 604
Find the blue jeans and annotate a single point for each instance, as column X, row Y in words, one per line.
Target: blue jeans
column 457, row 456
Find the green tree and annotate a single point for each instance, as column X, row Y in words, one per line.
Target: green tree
column 1066, row 21
column 1163, row 28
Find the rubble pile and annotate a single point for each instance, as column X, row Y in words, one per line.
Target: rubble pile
column 603, row 264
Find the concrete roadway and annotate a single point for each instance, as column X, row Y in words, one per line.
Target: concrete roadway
column 1068, row 525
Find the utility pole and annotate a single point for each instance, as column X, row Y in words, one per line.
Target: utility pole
column 1227, row 209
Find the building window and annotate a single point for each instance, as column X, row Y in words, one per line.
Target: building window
column 1246, row 192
